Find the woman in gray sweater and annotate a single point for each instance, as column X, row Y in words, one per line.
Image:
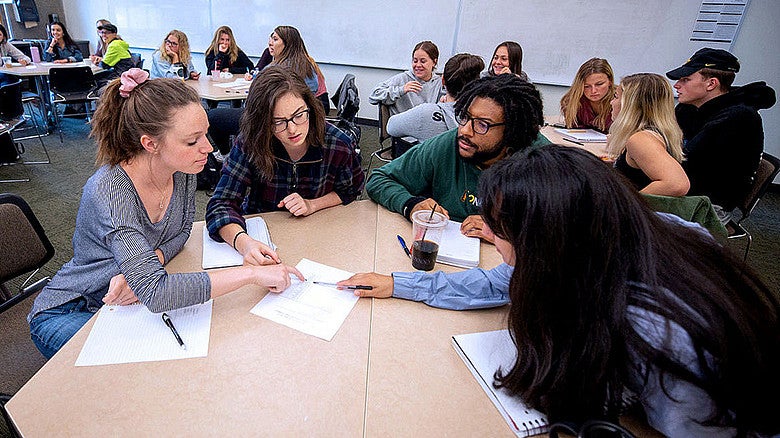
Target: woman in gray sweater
column 136, row 213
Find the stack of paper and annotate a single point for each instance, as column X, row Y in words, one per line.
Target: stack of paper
column 583, row 135
column 483, row 354
column 456, row 249
column 221, row 254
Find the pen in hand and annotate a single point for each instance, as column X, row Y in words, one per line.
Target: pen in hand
column 403, row 245
column 358, row 287
column 169, row 323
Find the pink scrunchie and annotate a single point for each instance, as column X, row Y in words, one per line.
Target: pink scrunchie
column 131, row 79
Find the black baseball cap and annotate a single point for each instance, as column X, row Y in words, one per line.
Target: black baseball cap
column 716, row 59
column 108, row 27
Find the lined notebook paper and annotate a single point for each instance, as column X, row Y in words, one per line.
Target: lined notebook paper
column 483, row 353
column 124, row 334
column 456, row 249
column 221, row 254
column 583, row 135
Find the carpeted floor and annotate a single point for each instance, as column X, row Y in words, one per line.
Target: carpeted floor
column 54, row 191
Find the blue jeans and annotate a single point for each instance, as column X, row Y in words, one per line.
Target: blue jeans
column 52, row 328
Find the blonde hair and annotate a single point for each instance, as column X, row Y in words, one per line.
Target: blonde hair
column 571, row 101
column 646, row 103
column 119, row 122
column 183, row 47
column 232, row 48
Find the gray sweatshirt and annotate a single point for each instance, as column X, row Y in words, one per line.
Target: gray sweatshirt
column 391, row 92
column 423, row 121
column 8, row 49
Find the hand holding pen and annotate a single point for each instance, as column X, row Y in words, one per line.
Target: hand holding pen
column 381, row 285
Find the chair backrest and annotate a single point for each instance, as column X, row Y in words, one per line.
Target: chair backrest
column 137, row 60
column 83, row 46
column 72, row 79
column 768, row 169
column 24, row 246
column 11, row 100
column 24, row 47
column 384, row 116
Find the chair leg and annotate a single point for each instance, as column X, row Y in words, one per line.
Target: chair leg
column 747, row 246
column 57, row 120
column 38, row 132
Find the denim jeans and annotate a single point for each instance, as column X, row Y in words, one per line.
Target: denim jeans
column 52, row 328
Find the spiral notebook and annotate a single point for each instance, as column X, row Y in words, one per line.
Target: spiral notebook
column 483, row 353
column 221, row 254
column 456, row 249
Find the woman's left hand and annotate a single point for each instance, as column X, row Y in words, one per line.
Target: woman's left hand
column 296, row 205
column 474, row 226
column 194, row 75
column 119, row 292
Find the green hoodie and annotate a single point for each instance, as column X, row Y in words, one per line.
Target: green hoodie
column 117, row 50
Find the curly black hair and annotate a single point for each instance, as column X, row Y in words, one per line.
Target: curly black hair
column 520, row 100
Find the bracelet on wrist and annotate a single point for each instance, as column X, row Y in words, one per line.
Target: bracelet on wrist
column 236, row 237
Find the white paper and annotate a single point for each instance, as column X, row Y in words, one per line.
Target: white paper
column 456, row 249
column 583, row 135
column 125, row 334
column 238, row 83
column 483, row 353
column 310, row 308
column 221, row 254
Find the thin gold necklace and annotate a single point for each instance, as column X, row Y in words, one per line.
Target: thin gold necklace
column 162, row 193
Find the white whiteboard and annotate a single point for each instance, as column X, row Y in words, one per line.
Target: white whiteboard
column 634, row 35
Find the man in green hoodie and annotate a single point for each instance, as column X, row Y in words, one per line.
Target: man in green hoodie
column 117, row 59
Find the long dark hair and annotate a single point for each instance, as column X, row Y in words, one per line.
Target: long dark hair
column 256, row 121
column 515, row 52
column 294, row 55
column 65, row 35
column 592, row 260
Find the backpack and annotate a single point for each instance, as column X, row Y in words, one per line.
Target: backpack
column 10, row 151
column 209, row 176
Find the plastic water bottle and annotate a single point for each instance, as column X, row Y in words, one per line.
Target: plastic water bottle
column 35, row 54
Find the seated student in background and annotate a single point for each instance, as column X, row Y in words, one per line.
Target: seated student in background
column 100, row 48
column 722, row 130
column 136, row 213
column 265, row 60
column 645, row 137
column 586, row 104
column 497, row 116
column 60, row 48
column 286, row 47
column 223, row 54
column 507, row 58
column 652, row 309
column 431, row 119
column 117, row 59
column 173, row 58
column 419, row 85
column 287, row 157
column 8, row 49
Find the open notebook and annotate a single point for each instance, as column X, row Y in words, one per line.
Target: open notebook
column 456, row 249
column 221, row 254
column 583, row 135
column 483, row 354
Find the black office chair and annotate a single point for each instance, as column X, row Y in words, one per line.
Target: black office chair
column 13, row 121
column 398, row 145
column 24, row 248
column 70, row 85
column 767, row 171
column 137, row 60
column 347, row 105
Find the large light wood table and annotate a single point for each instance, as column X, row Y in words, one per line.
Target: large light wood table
column 597, row 149
column 207, row 88
column 42, row 68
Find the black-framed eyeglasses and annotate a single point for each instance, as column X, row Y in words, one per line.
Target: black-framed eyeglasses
column 171, row 43
column 298, row 118
column 479, row 126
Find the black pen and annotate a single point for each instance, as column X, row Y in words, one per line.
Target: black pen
column 573, row 141
column 169, row 323
column 558, row 125
column 403, row 245
column 358, row 287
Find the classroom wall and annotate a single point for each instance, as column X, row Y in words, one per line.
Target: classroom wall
column 755, row 44
column 45, row 7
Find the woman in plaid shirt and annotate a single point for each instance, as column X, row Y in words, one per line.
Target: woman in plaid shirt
column 287, row 157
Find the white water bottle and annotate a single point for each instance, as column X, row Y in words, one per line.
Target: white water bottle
column 35, row 54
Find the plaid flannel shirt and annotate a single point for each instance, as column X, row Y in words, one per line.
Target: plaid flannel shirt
column 332, row 167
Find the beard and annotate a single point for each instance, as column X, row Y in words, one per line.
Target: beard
column 480, row 156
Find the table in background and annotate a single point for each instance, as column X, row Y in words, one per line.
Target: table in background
column 597, row 149
column 207, row 88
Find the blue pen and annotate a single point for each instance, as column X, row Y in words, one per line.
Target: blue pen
column 403, row 245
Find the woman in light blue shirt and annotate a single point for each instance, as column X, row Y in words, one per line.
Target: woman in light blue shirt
column 173, row 58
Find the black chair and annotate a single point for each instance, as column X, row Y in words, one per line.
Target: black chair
column 767, row 171
column 137, row 60
column 24, row 248
column 72, row 85
column 398, row 145
column 347, row 105
column 13, row 120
